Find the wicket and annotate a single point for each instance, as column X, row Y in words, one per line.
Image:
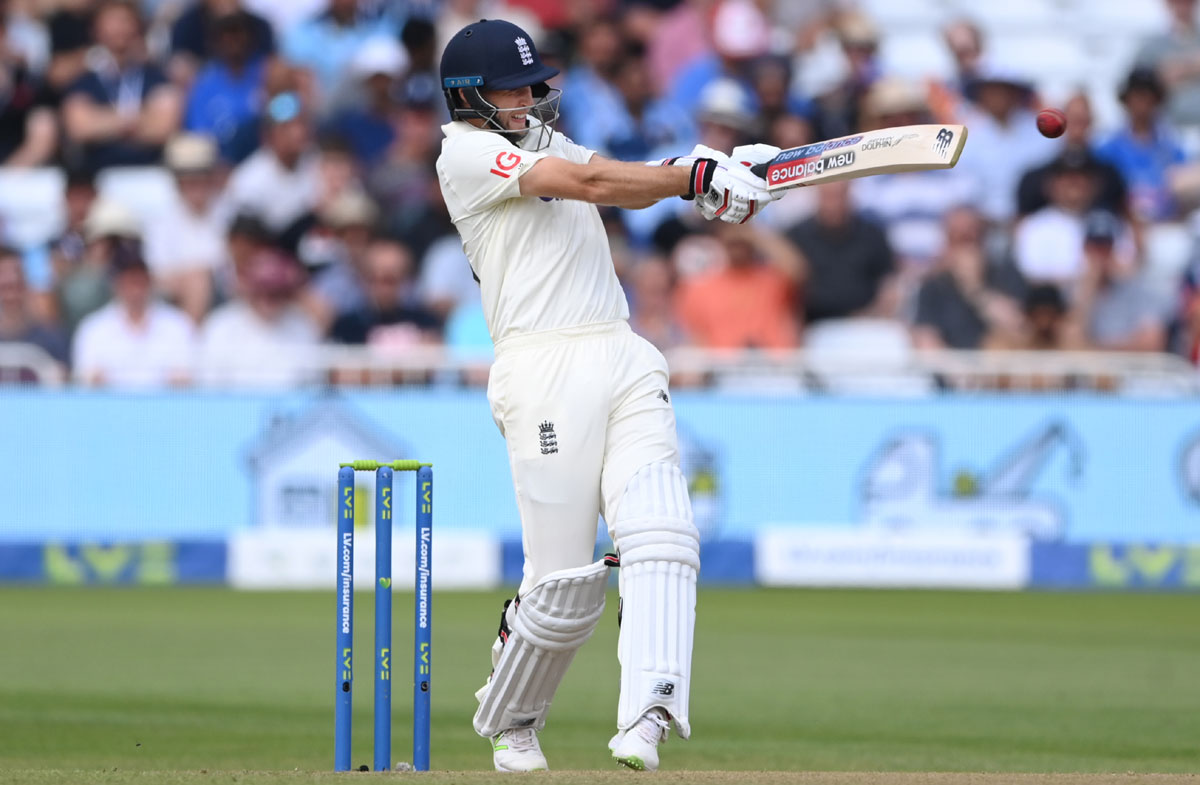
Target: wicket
column 422, row 612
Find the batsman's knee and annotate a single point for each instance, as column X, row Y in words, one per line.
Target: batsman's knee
column 654, row 519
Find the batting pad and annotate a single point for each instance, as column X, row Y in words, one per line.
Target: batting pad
column 552, row 621
column 660, row 558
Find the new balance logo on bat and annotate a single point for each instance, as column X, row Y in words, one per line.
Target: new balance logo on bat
column 942, row 142
column 804, row 169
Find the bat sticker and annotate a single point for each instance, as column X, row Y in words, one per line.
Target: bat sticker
column 803, row 169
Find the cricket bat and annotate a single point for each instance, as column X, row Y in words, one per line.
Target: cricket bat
column 906, row 148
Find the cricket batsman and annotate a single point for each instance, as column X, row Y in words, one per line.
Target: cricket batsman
column 581, row 400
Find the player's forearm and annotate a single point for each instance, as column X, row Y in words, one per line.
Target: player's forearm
column 605, row 182
column 629, row 184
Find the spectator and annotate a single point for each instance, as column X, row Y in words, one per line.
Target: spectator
column 326, row 44
column 28, row 132
column 910, row 205
column 771, row 79
column 70, row 28
column 850, row 264
column 1111, row 194
column 747, row 301
column 85, row 286
column 280, row 180
column 67, row 250
column 968, row 301
column 964, row 39
column 1175, row 55
column 185, row 244
column 643, row 124
column 405, row 183
column 423, row 83
column 1004, row 140
column 1112, row 303
column 226, row 97
column 122, row 110
column 341, row 286
column 1145, row 151
column 392, row 317
column 134, row 341
column 447, row 281
column 837, row 109
column 338, row 174
column 591, row 103
column 263, row 339
column 651, row 300
column 369, row 124
column 1048, row 245
column 1048, row 325
column 247, row 235
column 674, row 38
column 740, row 34
column 18, row 322
column 196, row 36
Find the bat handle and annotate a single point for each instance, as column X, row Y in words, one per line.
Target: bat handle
column 760, row 170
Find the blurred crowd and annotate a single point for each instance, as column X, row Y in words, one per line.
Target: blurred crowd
column 235, row 184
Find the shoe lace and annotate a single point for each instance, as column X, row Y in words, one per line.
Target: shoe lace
column 521, row 740
column 653, row 726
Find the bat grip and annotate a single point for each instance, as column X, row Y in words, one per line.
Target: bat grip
column 760, row 170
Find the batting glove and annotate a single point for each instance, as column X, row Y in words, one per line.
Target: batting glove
column 752, row 189
column 748, row 155
column 703, row 169
column 735, row 195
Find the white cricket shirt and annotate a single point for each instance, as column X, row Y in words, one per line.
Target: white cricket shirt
column 542, row 264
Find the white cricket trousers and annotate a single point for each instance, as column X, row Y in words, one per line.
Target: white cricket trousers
column 582, row 409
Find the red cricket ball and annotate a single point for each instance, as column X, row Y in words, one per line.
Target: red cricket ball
column 1051, row 123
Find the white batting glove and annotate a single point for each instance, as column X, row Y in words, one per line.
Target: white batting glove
column 750, row 154
column 746, row 156
column 735, row 195
column 721, row 189
column 750, row 195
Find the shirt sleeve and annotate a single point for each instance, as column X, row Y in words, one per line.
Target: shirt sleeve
column 575, row 152
column 483, row 169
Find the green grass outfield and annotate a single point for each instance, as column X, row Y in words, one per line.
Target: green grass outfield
column 146, row 681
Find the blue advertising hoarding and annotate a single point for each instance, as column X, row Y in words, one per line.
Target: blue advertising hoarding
column 1070, row 473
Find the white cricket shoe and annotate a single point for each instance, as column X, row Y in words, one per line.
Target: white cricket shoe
column 637, row 747
column 517, row 749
